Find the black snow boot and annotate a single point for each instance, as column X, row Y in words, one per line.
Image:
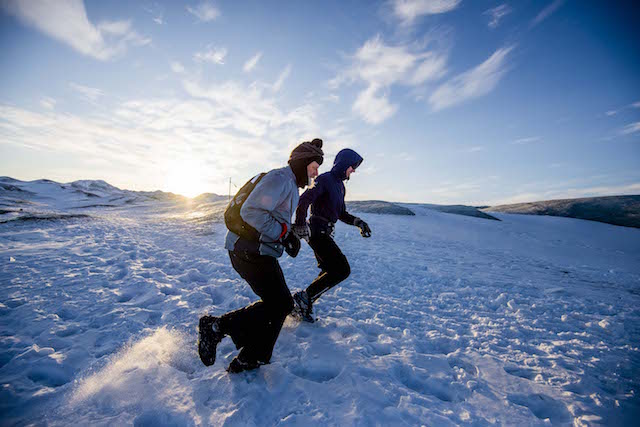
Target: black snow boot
column 303, row 308
column 238, row 365
column 209, row 337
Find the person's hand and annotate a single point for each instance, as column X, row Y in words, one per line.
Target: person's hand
column 302, row 231
column 291, row 244
column 365, row 231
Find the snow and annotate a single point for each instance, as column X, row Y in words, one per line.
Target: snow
column 445, row 320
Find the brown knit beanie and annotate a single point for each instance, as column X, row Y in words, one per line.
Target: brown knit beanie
column 302, row 156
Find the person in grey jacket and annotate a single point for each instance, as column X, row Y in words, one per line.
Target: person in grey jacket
column 254, row 329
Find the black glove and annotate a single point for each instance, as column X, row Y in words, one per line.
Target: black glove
column 365, row 231
column 291, row 244
column 302, row 231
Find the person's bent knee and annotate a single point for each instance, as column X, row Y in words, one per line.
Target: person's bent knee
column 343, row 270
column 288, row 306
column 283, row 307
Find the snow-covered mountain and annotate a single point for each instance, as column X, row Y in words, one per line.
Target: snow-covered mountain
column 445, row 319
column 47, row 200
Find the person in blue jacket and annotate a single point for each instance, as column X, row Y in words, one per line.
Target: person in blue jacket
column 326, row 199
column 269, row 208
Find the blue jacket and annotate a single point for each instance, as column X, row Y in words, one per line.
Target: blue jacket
column 268, row 207
column 326, row 197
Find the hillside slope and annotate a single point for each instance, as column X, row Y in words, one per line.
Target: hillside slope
column 617, row 210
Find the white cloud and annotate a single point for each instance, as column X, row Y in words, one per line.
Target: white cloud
column 496, row 14
column 177, row 67
column 156, row 12
column 281, row 78
column 48, row 103
column 636, row 104
column 527, row 140
column 90, row 93
column 252, row 62
column 611, row 113
column 431, row 68
column 373, row 105
column 471, row 84
column 67, row 21
column 380, row 66
column 546, row 12
column 475, row 149
column 249, row 110
column 212, row 55
column 631, row 128
column 408, row 10
column 231, row 129
column 205, row 11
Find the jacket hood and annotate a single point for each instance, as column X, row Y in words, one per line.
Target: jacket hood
column 344, row 159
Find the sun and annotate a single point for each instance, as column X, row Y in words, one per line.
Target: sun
column 186, row 178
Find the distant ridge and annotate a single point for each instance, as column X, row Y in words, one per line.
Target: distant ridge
column 616, row 210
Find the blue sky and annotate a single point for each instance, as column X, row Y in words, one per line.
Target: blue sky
column 449, row 101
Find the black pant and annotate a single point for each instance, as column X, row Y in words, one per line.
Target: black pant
column 334, row 267
column 254, row 329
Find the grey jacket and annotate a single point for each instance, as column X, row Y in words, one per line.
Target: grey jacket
column 271, row 204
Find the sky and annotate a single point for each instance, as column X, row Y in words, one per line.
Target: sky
column 448, row 101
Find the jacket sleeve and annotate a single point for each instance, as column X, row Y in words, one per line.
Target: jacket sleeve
column 263, row 200
column 307, row 198
column 345, row 216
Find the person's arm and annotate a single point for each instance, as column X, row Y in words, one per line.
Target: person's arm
column 263, row 200
column 307, row 199
column 345, row 216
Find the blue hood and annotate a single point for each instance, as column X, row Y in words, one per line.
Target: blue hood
column 344, row 159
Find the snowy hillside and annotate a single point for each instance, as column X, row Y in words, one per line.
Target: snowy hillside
column 445, row 319
column 617, row 210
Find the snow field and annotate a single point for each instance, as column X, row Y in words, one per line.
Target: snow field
column 445, row 320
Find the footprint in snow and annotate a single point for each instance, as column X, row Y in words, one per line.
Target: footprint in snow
column 519, row 371
column 542, row 406
column 316, row 372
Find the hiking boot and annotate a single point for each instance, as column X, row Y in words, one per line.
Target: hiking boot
column 303, row 308
column 208, row 339
column 238, row 365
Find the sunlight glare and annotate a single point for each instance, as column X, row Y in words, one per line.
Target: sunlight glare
column 186, row 178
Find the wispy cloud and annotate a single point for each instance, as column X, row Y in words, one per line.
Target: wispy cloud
column 205, row 11
column 471, row 84
column 631, row 128
column 404, row 156
column 546, row 12
column 528, row 140
column 48, row 103
column 211, row 54
column 177, row 67
column 252, row 62
column 496, row 14
column 67, row 21
column 379, row 66
column 281, row 78
column 90, row 93
column 409, row 10
column 373, row 106
column 231, row 128
column 475, row 149
column 616, row 111
column 156, row 12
